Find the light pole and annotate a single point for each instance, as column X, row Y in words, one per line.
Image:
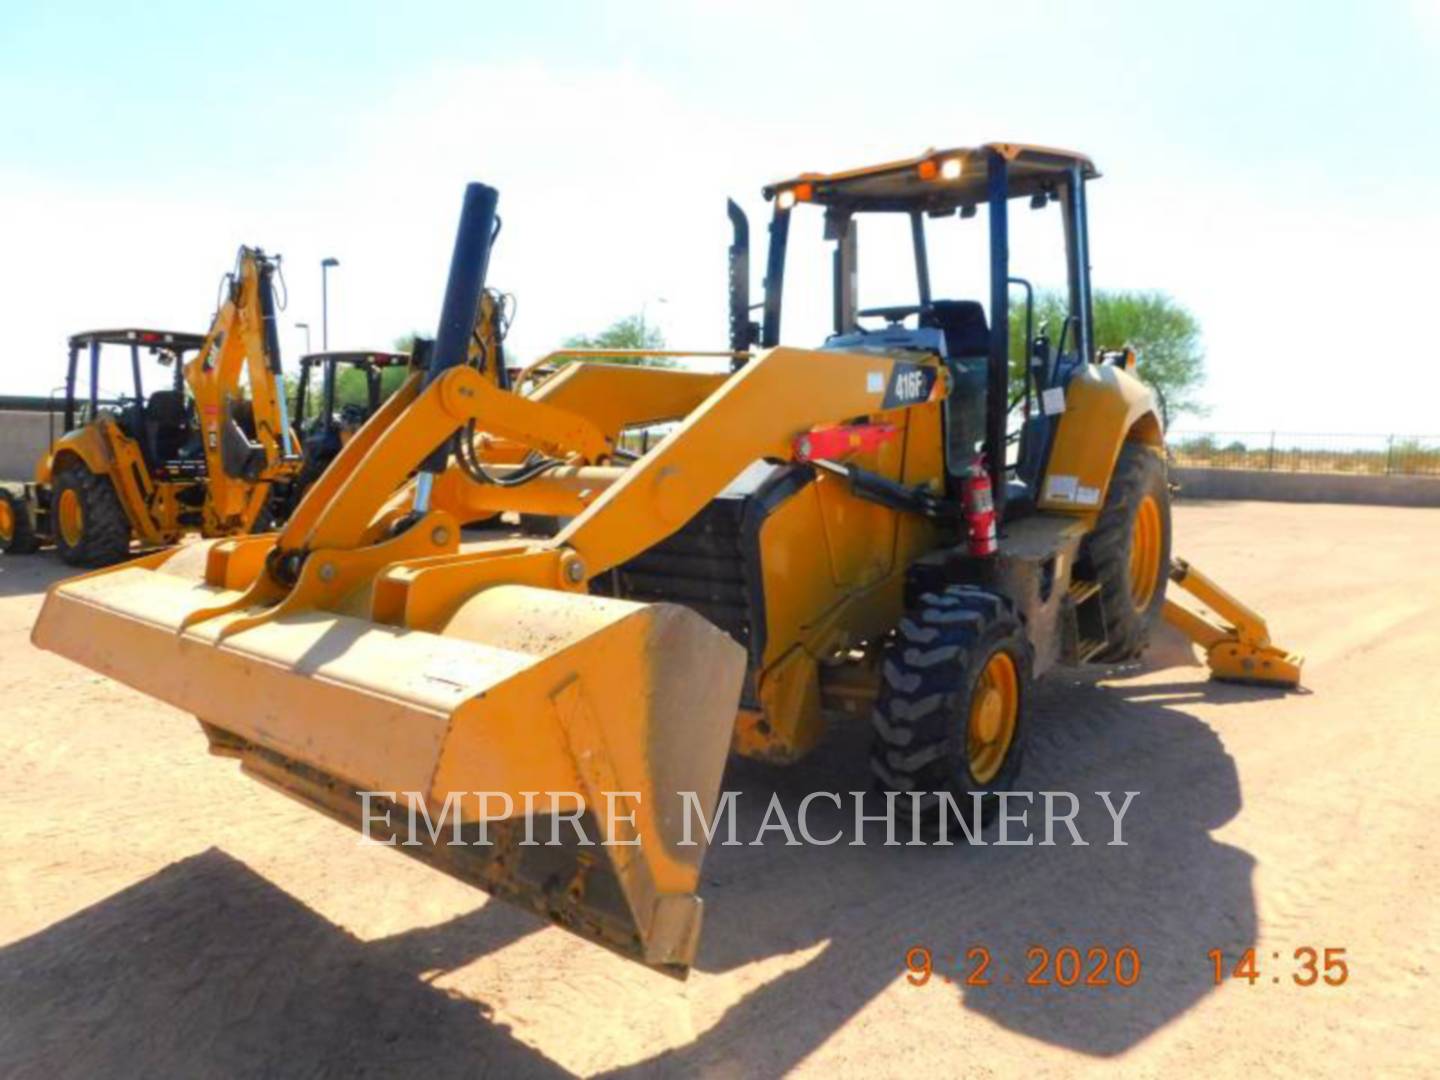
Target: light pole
column 306, row 327
column 325, row 265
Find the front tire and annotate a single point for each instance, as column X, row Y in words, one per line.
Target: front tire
column 951, row 713
column 89, row 523
column 17, row 531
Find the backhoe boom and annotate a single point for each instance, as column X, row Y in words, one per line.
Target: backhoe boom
column 237, row 386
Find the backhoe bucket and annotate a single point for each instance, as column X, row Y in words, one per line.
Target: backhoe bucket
column 469, row 747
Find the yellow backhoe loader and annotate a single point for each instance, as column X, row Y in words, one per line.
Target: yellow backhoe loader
column 197, row 456
column 799, row 545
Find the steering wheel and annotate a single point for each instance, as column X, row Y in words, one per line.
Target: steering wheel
column 352, row 416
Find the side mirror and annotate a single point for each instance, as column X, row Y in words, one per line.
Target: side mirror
column 1042, row 359
column 1040, row 349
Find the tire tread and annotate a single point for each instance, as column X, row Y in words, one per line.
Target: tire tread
column 916, row 744
column 106, row 538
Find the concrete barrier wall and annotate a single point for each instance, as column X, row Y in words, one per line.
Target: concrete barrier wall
column 24, row 436
column 1307, row 487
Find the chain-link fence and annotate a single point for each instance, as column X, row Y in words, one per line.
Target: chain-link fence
column 1280, row 451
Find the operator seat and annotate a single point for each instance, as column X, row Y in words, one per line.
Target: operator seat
column 167, row 426
column 967, row 349
column 967, row 334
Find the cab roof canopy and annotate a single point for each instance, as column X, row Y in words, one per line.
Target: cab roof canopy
column 937, row 182
column 376, row 359
column 160, row 339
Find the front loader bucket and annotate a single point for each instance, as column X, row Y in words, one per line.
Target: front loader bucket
column 528, row 706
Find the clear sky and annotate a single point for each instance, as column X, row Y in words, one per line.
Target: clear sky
column 1273, row 166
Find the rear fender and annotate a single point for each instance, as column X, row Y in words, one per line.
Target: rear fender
column 1105, row 407
column 84, row 445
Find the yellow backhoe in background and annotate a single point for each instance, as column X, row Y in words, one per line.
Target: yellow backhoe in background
column 807, row 541
column 323, row 421
column 199, row 455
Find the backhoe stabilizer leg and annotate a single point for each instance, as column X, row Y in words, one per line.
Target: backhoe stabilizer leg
column 1235, row 639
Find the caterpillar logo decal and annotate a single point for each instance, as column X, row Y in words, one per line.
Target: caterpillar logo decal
column 909, row 384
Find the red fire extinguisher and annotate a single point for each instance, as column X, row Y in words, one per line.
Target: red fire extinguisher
column 979, row 509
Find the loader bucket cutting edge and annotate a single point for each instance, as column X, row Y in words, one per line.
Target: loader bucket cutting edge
column 523, row 690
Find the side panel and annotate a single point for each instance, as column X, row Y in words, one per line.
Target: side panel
column 833, row 568
column 1104, row 406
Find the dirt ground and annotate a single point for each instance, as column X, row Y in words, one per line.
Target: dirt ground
column 160, row 914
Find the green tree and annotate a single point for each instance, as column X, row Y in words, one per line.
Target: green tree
column 631, row 332
column 351, row 387
column 1163, row 333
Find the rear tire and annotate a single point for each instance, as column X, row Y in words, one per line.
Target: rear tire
column 1128, row 553
column 89, row 523
column 17, row 531
column 950, row 716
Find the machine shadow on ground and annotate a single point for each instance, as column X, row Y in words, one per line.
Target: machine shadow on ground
column 27, row 575
column 206, row 968
column 1173, row 893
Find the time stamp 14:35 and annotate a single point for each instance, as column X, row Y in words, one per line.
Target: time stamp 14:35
column 1099, row 966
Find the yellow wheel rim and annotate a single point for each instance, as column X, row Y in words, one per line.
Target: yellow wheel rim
column 1145, row 537
column 994, row 710
column 7, row 521
column 71, row 517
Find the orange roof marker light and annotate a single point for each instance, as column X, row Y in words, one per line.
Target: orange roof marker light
column 788, row 197
column 949, row 168
column 944, row 179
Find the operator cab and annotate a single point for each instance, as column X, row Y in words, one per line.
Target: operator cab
column 343, row 404
column 971, row 336
column 352, row 386
column 163, row 424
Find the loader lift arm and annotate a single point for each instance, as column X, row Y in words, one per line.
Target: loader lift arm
column 1237, row 642
column 336, row 541
column 640, row 505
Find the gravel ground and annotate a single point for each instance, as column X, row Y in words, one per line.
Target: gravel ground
column 159, row 914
